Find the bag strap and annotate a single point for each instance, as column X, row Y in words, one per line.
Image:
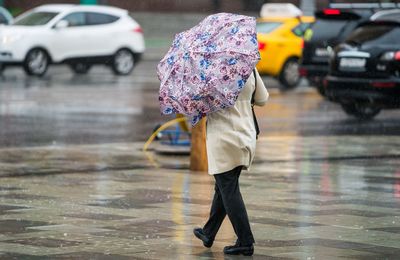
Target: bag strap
column 255, row 84
column 252, row 106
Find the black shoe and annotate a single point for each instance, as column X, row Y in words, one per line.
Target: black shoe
column 238, row 249
column 199, row 233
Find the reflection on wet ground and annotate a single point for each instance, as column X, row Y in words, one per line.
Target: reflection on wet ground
column 332, row 197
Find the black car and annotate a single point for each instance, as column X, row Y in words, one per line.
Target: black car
column 331, row 27
column 365, row 70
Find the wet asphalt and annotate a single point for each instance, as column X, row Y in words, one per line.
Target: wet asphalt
column 75, row 183
column 64, row 108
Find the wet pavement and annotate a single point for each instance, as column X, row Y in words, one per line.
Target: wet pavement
column 75, row 183
column 332, row 197
column 63, row 108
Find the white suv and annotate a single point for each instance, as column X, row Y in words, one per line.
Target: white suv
column 78, row 35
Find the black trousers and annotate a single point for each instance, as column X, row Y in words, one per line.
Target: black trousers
column 228, row 201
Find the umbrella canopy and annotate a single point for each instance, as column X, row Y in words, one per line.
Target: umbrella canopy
column 208, row 65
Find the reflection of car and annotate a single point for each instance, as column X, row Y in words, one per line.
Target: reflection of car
column 5, row 16
column 78, row 35
column 279, row 34
column 365, row 70
column 330, row 28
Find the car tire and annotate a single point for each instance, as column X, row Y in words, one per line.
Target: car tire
column 80, row 67
column 317, row 84
column 123, row 62
column 290, row 76
column 36, row 62
column 362, row 111
column 2, row 67
column 321, row 89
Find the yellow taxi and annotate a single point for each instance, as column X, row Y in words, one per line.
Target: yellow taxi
column 279, row 31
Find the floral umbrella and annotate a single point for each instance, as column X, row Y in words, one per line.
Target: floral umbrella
column 208, row 65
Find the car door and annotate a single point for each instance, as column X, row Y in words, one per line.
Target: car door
column 71, row 41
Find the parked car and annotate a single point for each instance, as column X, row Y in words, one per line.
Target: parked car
column 387, row 15
column 78, row 35
column 279, row 32
column 365, row 70
column 331, row 27
column 5, row 16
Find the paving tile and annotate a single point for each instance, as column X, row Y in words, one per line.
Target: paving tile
column 138, row 199
column 44, row 242
column 6, row 209
column 97, row 216
column 282, row 223
column 388, row 229
column 6, row 188
column 16, row 226
column 24, row 196
column 307, row 198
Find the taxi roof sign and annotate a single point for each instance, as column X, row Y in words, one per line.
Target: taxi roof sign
column 280, row 10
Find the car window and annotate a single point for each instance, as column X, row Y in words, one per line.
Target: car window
column 3, row 19
column 324, row 29
column 98, row 18
column 392, row 17
column 375, row 34
column 75, row 19
column 300, row 29
column 267, row 27
column 36, row 18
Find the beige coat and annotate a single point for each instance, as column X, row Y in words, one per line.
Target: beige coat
column 231, row 134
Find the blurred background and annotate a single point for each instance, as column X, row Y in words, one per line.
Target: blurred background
column 87, row 73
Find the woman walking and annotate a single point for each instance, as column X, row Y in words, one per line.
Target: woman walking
column 209, row 71
column 231, row 144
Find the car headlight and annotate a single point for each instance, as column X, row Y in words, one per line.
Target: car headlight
column 391, row 55
column 8, row 39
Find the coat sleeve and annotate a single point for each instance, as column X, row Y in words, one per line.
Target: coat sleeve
column 261, row 95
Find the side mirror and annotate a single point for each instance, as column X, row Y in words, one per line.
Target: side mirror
column 61, row 24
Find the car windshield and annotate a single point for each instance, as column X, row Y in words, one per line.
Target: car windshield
column 36, row 18
column 267, row 27
column 324, row 29
column 374, row 34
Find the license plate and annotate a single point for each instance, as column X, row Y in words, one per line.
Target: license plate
column 352, row 63
column 322, row 52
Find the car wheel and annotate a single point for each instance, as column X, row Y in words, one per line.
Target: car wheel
column 80, row 68
column 1, row 68
column 123, row 62
column 290, row 76
column 36, row 62
column 321, row 89
column 361, row 111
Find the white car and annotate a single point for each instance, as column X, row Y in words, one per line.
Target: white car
column 78, row 35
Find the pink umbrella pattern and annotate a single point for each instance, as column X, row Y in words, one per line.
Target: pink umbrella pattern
column 207, row 66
